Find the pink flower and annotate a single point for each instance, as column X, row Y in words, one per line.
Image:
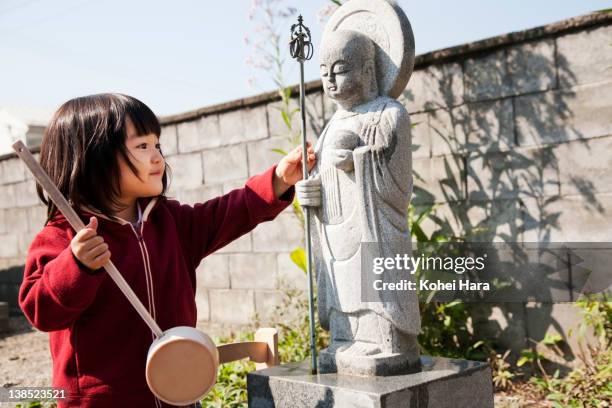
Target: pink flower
column 266, row 41
column 252, row 82
column 288, row 12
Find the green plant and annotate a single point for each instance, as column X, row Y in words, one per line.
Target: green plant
column 596, row 314
column 444, row 329
column 293, row 346
column 38, row 404
column 291, row 319
column 294, row 326
column 589, row 385
column 444, row 326
column 230, row 389
column 501, row 370
column 533, row 357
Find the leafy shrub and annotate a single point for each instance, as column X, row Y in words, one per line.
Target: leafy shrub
column 589, row 385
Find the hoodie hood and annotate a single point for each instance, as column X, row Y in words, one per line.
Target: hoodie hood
column 147, row 204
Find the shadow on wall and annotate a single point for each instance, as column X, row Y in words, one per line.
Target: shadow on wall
column 493, row 132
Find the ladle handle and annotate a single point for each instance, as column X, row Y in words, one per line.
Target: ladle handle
column 60, row 201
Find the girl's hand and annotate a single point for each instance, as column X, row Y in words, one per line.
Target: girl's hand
column 89, row 248
column 289, row 169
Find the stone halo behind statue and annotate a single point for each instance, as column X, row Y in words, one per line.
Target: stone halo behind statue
column 381, row 20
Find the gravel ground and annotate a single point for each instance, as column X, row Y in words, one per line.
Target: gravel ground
column 24, row 356
column 25, row 360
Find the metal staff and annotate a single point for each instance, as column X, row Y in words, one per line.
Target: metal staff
column 301, row 49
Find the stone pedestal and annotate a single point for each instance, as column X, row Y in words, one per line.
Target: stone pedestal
column 442, row 383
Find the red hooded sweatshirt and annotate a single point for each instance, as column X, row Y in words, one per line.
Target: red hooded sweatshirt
column 98, row 342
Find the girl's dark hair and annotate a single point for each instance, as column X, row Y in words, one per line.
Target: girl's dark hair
column 80, row 147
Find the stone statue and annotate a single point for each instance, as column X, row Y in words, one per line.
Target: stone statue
column 360, row 189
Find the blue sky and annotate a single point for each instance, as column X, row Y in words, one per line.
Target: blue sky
column 185, row 54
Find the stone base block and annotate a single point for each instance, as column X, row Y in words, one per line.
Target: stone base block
column 441, row 383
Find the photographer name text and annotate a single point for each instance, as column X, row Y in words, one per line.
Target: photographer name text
column 437, row 285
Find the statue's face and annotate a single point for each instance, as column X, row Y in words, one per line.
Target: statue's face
column 341, row 77
column 345, row 69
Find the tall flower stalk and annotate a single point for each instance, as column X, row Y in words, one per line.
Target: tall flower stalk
column 269, row 53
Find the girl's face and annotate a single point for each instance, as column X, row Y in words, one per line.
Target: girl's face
column 147, row 158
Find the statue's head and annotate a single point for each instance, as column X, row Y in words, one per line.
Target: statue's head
column 348, row 68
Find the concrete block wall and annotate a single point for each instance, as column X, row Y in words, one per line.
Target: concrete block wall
column 511, row 136
column 523, row 129
column 21, row 213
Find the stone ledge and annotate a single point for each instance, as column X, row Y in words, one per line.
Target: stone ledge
column 489, row 44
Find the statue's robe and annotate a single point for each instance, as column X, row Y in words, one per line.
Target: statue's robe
column 367, row 203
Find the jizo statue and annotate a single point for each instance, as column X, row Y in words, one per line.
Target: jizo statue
column 360, row 189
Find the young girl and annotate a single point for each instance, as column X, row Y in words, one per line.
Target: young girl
column 103, row 153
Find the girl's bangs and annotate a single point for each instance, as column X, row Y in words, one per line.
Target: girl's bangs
column 144, row 120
